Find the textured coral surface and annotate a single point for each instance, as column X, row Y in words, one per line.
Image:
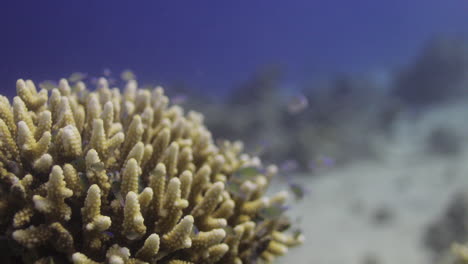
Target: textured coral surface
column 110, row 177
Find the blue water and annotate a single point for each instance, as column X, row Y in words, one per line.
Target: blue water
column 213, row 44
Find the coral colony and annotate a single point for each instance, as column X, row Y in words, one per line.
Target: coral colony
column 108, row 177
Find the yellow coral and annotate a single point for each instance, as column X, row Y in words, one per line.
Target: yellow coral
column 179, row 237
column 149, row 249
column 172, row 206
column 32, row 236
column 91, row 212
column 461, row 253
column 79, row 258
column 53, row 205
column 133, row 224
column 111, row 177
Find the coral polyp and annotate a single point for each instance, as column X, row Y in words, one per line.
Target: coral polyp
column 109, row 177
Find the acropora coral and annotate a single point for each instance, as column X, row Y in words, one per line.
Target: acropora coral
column 460, row 252
column 108, row 177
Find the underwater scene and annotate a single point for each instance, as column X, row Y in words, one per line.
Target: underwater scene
column 237, row 132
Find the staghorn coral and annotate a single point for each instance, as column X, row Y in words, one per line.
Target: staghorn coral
column 119, row 178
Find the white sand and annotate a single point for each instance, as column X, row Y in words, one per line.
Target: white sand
column 337, row 215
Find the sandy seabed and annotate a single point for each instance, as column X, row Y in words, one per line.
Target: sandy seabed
column 378, row 211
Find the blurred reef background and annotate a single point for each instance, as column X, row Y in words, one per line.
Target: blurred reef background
column 364, row 104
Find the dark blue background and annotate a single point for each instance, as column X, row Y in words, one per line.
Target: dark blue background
column 215, row 44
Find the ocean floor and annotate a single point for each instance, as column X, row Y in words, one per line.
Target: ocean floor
column 376, row 212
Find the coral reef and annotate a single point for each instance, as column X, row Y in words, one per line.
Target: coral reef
column 342, row 107
column 255, row 105
column 446, row 238
column 338, row 113
column 438, row 73
column 109, row 177
column 450, row 228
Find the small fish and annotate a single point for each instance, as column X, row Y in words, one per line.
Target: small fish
column 98, row 166
column 322, row 162
column 77, row 76
column 289, row 166
column 328, row 162
column 48, row 85
column 297, row 232
column 127, row 75
column 298, row 191
column 116, row 176
column 273, row 211
column 195, row 230
column 147, row 87
column 79, row 164
column 297, row 104
column 246, row 173
column 132, row 235
column 115, row 188
column 106, row 72
column 14, row 167
column 261, row 247
column 234, row 189
column 94, row 80
column 83, row 179
column 179, row 99
column 261, row 148
column 109, row 234
column 111, row 81
column 229, row 230
column 110, row 175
